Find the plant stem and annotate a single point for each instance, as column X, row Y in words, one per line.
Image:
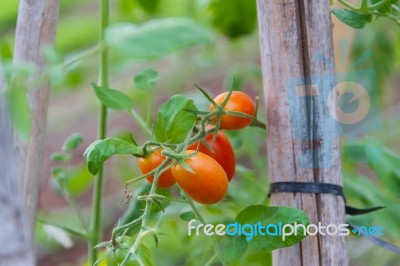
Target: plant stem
column 74, row 61
column 396, row 8
column 71, row 201
column 95, row 226
column 213, row 242
column 377, row 5
column 211, row 260
column 364, row 5
column 140, row 122
column 347, row 4
column 74, row 208
column 146, row 214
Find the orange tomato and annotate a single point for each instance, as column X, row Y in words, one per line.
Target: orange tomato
column 207, row 184
column 151, row 162
column 221, row 151
column 238, row 102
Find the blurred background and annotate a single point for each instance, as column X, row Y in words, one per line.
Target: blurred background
column 371, row 163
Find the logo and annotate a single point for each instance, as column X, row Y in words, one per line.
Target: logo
column 279, row 230
column 342, row 103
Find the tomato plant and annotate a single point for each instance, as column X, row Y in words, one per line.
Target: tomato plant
column 185, row 144
column 151, row 162
column 238, row 102
column 203, row 178
column 220, row 149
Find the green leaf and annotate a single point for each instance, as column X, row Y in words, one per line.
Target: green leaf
column 173, row 120
column 157, row 38
column 58, row 173
column 383, row 161
column 72, row 142
column 351, row 18
column 235, row 248
column 113, row 99
column 386, row 8
column 101, row 150
column 273, row 215
column 149, row 5
column 234, row 17
column 5, row 51
column 146, row 256
column 78, row 181
column 361, row 189
column 60, row 157
column 146, row 79
column 187, row 216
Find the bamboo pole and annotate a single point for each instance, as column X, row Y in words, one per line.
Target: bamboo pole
column 296, row 42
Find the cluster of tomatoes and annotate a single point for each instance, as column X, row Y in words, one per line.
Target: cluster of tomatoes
column 214, row 165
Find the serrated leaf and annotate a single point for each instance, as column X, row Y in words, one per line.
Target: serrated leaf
column 157, row 37
column 72, row 142
column 272, row 215
column 351, row 18
column 227, row 16
column 101, row 150
column 146, row 79
column 174, row 122
column 113, row 99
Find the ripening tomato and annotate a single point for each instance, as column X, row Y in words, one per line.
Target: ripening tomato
column 238, row 102
column 207, row 184
column 151, row 162
column 221, row 151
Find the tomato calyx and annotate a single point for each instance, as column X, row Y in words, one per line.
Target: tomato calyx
column 180, row 158
column 159, row 200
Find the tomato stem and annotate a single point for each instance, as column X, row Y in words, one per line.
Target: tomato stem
column 214, row 243
column 140, row 122
column 95, row 226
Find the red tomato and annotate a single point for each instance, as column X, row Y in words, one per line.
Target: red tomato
column 222, row 152
column 151, row 162
column 238, row 102
column 207, row 184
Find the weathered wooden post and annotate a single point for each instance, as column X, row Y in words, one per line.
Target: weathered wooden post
column 36, row 27
column 14, row 234
column 297, row 51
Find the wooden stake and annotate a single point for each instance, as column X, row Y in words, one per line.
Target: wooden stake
column 296, row 43
column 14, row 234
column 36, row 26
